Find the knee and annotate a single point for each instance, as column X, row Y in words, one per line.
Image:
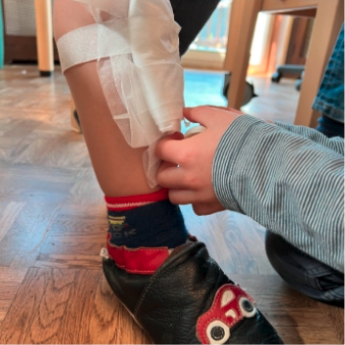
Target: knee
column 69, row 15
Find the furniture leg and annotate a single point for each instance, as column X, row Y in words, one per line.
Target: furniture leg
column 44, row 29
column 329, row 18
column 245, row 29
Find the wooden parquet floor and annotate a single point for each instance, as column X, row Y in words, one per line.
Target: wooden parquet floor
column 53, row 225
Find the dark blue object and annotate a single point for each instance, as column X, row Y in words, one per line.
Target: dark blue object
column 155, row 225
column 330, row 98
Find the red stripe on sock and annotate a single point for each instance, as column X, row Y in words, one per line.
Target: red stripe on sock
column 125, row 203
column 141, row 260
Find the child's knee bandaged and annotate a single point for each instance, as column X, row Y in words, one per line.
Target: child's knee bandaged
column 136, row 45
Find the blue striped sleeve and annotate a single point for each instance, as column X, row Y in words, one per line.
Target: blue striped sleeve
column 285, row 181
column 335, row 144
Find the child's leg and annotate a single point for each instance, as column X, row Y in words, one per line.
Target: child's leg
column 119, row 168
column 138, row 215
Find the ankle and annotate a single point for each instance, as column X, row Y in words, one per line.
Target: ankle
column 143, row 230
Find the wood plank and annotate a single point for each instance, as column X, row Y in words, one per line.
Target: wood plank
column 236, row 13
column 68, row 307
column 53, row 148
column 75, row 239
column 245, row 32
column 76, row 213
column 12, row 132
column 26, row 233
column 298, row 319
column 44, row 33
column 287, row 5
column 8, row 216
column 237, row 245
column 309, row 13
column 329, row 18
column 335, row 318
column 85, row 191
column 10, row 279
column 39, row 184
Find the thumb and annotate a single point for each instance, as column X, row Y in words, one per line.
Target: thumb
column 229, row 110
column 202, row 115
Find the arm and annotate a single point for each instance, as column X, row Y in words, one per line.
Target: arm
column 288, row 183
column 335, row 144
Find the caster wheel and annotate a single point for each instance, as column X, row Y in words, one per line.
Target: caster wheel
column 298, row 84
column 276, row 76
column 249, row 91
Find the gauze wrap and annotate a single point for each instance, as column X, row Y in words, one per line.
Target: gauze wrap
column 137, row 48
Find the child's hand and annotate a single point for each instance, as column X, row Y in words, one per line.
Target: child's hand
column 187, row 163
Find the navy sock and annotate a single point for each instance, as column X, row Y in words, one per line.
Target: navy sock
column 330, row 127
column 145, row 221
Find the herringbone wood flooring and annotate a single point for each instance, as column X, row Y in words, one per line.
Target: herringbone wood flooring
column 53, row 225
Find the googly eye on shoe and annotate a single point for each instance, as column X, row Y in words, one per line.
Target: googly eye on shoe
column 247, row 307
column 217, row 332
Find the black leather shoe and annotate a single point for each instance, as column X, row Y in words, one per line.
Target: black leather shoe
column 189, row 300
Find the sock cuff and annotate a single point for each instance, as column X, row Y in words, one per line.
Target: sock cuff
column 126, row 203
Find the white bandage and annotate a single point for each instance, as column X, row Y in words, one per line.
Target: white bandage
column 136, row 45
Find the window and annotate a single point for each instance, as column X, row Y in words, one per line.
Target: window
column 209, row 48
column 214, row 35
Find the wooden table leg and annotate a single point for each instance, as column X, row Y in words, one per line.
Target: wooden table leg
column 329, row 18
column 44, row 29
column 236, row 12
column 245, row 26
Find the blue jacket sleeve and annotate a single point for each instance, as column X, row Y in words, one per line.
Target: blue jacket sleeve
column 288, row 180
column 336, row 144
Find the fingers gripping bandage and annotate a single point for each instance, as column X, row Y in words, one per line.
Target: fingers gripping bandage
column 136, row 45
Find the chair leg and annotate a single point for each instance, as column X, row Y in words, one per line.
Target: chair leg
column 329, row 18
column 44, row 31
column 245, row 29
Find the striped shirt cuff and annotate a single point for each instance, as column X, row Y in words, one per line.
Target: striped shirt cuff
column 224, row 163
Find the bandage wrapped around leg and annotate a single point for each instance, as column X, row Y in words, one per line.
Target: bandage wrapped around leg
column 136, row 45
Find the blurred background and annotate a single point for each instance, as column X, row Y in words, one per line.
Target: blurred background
column 278, row 40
